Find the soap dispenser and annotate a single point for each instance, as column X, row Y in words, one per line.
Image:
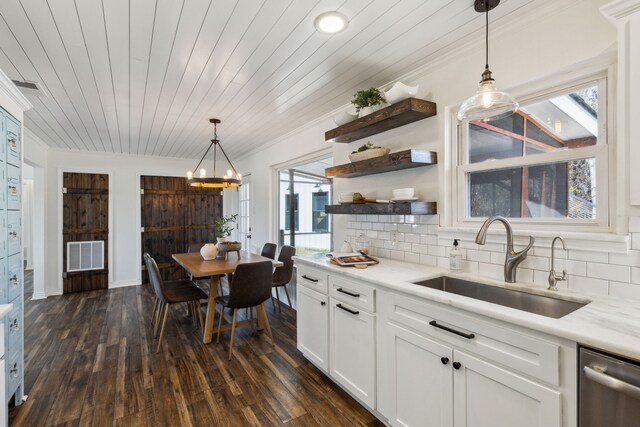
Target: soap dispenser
column 455, row 257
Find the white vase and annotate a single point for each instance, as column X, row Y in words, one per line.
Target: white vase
column 364, row 111
column 221, row 239
column 209, row 251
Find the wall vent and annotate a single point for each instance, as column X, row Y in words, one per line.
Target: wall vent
column 30, row 88
column 83, row 256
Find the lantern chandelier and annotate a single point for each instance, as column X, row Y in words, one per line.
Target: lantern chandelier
column 231, row 179
column 488, row 103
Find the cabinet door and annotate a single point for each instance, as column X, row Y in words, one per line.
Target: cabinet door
column 313, row 326
column 488, row 396
column 421, row 380
column 352, row 350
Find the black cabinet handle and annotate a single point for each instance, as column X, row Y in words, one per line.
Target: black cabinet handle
column 444, row 360
column 456, row 365
column 348, row 310
column 323, row 303
column 453, row 331
column 351, row 294
column 310, row 279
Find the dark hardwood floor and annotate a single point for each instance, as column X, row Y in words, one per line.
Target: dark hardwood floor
column 90, row 361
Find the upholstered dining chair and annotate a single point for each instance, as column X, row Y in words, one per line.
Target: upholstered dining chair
column 172, row 292
column 282, row 275
column 251, row 287
column 269, row 250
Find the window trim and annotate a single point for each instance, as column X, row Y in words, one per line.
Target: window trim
column 602, row 151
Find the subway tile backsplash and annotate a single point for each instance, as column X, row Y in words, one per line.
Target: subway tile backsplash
column 414, row 238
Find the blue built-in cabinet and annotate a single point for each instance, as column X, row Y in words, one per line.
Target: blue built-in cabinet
column 11, row 263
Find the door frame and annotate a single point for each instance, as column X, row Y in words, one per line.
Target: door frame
column 60, row 185
column 248, row 179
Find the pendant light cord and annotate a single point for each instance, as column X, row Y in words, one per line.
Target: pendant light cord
column 486, row 34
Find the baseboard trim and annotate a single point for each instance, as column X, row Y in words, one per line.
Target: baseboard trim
column 123, row 284
column 38, row 295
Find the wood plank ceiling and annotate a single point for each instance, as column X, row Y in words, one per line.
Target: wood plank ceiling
column 143, row 76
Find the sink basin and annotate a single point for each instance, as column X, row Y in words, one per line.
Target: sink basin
column 520, row 300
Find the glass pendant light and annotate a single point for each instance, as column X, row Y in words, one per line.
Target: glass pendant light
column 231, row 179
column 488, row 103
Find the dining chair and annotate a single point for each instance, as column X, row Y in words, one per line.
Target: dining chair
column 282, row 275
column 251, row 287
column 269, row 250
column 172, row 292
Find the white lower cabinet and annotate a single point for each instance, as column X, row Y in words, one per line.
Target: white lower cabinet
column 421, row 384
column 313, row 326
column 486, row 395
column 353, row 351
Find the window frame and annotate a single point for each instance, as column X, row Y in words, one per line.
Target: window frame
column 601, row 152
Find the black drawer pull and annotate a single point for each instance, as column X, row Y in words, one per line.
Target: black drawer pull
column 444, row 360
column 351, row 294
column 354, row 312
column 322, row 303
column 457, row 365
column 453, row 331
column 310, row 279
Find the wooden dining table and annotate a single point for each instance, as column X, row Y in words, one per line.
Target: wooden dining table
column 199, row 268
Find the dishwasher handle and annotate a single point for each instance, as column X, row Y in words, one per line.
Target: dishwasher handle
column 599, row 375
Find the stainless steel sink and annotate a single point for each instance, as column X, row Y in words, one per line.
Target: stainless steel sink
column 520, row 300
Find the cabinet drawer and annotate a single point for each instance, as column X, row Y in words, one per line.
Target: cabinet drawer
column 3, row 185
column 14, row 373
column 14, row 276
column 13, row 328
column 14, row 232
column 4, row 283
column 355, row 293
column 3, row 232
column 14, row 188
column 312, row 278
column 528, row 354
column 13, row 142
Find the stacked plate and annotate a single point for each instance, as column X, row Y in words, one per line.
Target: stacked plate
column 404, row 195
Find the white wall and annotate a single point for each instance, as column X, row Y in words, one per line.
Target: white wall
column 558, row 39
column 124, row 204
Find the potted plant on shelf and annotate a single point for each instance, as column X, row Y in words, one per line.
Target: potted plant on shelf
column 223, row 227
column 367, row 151
column 365, row 100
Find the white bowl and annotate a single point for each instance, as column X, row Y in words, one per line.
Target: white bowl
column 403, row 193
column 400, row 91
column 344, row 118
column 369, row 154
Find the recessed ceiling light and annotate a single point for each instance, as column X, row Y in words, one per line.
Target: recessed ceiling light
column 331, row 22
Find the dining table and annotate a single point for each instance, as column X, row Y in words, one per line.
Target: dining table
column 199, row 268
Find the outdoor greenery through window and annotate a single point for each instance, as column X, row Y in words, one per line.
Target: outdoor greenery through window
column 540, row 163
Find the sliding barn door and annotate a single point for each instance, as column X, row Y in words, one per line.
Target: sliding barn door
column 175, row 215
column 85, row 231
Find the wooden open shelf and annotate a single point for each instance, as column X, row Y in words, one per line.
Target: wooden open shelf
column 408, row 208
column 401, row 113
column 406, row 159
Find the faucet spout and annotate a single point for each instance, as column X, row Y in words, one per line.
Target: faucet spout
column 512, row 258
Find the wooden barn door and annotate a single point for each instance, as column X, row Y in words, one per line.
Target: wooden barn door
column 85, row 218
column 175, row 215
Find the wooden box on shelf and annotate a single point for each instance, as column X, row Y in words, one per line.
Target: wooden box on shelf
column 405, row 159
column 401, row 113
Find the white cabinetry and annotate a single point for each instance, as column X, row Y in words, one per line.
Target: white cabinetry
column 352, row 349
column 313, row 326
column 313, row 315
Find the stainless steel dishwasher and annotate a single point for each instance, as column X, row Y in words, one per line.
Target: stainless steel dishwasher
column 609, row 390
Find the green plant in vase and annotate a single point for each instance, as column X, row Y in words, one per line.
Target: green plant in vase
column 365, row 100
column 223, row 226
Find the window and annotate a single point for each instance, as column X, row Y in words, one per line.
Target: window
column 546, row 163
column 287, row 211
column 319, row 219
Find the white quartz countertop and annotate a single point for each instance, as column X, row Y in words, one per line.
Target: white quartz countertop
column 610, row 324
column 5, row 309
